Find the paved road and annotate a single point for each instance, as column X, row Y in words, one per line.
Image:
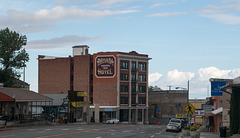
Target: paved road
column 90, row 131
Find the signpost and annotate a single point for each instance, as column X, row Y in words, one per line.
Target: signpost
column 190, row 110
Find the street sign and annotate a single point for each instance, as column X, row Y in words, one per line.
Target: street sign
column 80, row 104
column 181, row 115
column 189, row 109
column 190, row 116
column 81, row 94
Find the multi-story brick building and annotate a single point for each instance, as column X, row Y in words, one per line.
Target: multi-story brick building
column 115, row 82
column 166, row 104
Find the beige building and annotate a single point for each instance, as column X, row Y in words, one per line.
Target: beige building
column 167, row 104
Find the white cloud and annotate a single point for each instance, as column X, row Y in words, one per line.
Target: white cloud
column 161, row 4
column 166, row 14
column 58, row 42
column 199, row 80
column 153, row 77
column 212, row 72
column 224, row 18
column 177, row 77
column 223, row 14
column 46, row 18
column 98, row 3
column 235, row 7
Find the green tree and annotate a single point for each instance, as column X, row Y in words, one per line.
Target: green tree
column 150, row 89
column 12, row 55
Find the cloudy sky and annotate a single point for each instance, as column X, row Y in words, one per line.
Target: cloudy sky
column 187, row 39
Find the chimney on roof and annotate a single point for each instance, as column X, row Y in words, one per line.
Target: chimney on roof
column 80, row 50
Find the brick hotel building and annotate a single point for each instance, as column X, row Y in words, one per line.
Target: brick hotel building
column 116, row 83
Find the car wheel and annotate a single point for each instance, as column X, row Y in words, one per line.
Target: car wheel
column 113, row 122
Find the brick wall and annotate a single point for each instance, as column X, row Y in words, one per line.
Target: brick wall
column 105, row 89
column 54, row 76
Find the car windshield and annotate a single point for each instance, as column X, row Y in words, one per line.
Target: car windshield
column 171, row 124
column 175, row 121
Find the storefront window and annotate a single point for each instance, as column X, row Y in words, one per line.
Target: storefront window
column 124, row 113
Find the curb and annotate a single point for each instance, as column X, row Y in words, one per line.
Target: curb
column 5, row 130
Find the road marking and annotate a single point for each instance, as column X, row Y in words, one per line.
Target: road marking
column 126, row 131
column 41, row 132
column 7, row 136
column 48, row 129
column 152, row 136
column 112, row 130
column 162, row 131
column 62, row 134
column 98, row 137
column 143, row 132
column 65, row 129
column 31, row 129
column 80, row 129
column 95, row 129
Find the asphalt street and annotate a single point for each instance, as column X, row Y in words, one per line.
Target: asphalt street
column 90, row 131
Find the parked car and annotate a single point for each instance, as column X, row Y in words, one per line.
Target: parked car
column 112, row 121
column 176, row 121
column 173, row 127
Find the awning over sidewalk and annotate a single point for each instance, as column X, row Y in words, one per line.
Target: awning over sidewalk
column 217, row 111
column 22, row 95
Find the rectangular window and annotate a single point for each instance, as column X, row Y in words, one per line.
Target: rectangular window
column 91, row 100
column 133, row 100
column 142, row 89
column 142, row 100
column 91, row 88
column 124, row 65
column 142, row 78
column 91, row 66
column 123, row 77
column 133, row 77
column 133, row 89
column 124, row 100
column 72, row 66
column 142, row 66
column 124, row 113
column 133, row 66
column 139, row 115
column 124, row 88
column 91, row 77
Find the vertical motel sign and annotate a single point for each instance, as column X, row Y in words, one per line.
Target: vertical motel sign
column 216, row 88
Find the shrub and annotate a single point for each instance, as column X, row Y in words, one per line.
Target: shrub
column 194, row 127
column 186, row 128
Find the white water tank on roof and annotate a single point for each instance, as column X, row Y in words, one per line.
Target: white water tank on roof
column 80, row 50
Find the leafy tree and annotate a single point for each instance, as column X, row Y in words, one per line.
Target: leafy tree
column 12, row 55
column 150, row 88
column 155, row 88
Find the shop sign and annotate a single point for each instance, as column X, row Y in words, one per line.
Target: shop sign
column 80, row 104
column 108, row 109
column 181, row 115
column 105, row 66
column 81, row 94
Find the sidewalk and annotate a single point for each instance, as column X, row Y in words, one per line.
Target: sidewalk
column 212, row 135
